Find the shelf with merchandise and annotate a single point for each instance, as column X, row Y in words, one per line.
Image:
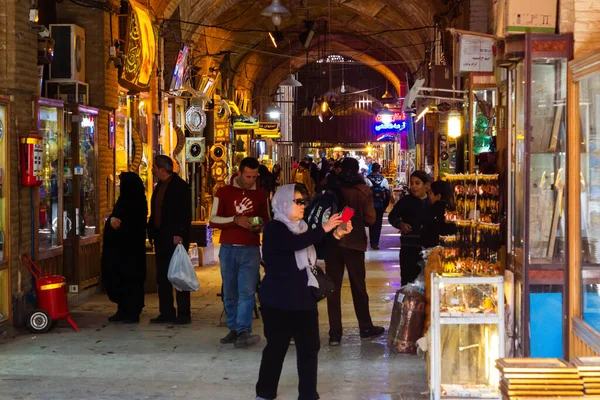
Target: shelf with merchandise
column 467, row 325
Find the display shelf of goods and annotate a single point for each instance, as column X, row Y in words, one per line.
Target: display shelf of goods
column 475, row 192
column 473, row 250
column 467, row 336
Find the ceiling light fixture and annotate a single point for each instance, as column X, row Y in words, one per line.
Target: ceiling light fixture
column 276, row 11
column 276, row 37
column 291, row 80
column 386, row 116
column 274, row 112
column 454, row 124
column 307, row 36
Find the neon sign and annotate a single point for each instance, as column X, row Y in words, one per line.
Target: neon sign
column 397, row 116
column 391, row 127
column 388, row 122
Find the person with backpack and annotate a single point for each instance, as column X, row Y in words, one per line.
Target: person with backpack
column 381, row 199
column 350, row 253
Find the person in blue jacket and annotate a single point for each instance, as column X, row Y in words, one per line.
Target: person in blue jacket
column 288, row 307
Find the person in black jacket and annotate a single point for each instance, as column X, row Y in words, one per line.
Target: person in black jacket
column 409, row 215
column 169, row 225
column 124, row 250
column 288, row 307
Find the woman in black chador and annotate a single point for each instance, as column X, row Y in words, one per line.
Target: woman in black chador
column 124, row 250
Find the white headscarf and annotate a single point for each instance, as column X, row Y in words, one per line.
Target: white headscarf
column 283, row 203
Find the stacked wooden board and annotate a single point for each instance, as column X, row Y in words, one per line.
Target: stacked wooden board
column 529, row 378
column 589, row 370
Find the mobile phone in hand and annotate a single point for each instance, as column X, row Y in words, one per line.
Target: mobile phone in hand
column 347, row 214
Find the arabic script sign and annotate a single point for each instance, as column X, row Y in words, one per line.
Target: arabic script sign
column 475, row 54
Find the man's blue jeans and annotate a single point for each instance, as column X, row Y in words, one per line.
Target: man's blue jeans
column 240, row 273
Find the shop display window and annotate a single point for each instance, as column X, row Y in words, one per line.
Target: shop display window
column 547, row 147
column 87, row 187
column 536, row 190
column 589, row 116
column 50, row 120
column 484, row 120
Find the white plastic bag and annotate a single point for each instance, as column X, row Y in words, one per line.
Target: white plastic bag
column 181, row 271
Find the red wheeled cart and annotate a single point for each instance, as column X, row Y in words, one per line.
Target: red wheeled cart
column 51, row 294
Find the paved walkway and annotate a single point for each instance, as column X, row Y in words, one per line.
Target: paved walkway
column 109, row 361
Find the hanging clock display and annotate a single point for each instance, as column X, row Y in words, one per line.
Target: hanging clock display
column 195, row 149
column 195, row 119
column 219, row 171
column 218, row 152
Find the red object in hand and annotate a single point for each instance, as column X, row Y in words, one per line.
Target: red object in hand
column 347, row 214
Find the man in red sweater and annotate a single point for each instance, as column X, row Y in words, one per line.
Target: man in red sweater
column 234, row 206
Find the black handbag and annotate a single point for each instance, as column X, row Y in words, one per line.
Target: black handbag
column 326, row 286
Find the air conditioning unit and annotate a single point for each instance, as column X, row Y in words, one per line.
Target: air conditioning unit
column 69, row 52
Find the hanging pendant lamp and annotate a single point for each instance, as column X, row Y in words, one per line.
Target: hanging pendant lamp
column 291, row 81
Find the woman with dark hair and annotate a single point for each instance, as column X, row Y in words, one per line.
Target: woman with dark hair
column 277, row 175
column 266, row 180
column 288, row 307
column 409, row 215
column 124, row 250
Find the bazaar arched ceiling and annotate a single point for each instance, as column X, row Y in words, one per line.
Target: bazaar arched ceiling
column 388, row 35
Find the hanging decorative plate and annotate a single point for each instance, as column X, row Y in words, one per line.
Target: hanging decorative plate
column 1, row 130
column 195, row 119
column 137, row 148
column 444, row 156
column 180, row 141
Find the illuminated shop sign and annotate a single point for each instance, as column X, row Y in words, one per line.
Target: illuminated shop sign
column 268, row 129
column 140, row 48
column 241, row 122
column 389, row 125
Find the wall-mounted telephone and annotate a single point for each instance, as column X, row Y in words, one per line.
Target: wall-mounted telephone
column 32, row 148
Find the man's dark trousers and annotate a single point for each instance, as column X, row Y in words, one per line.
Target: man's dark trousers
column 164, row 248
column 375, row 229
column 354, row 261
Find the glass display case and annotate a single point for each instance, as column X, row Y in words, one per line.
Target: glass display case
column 537, row 87
column 480, row 120
column 80, row 192
column 585, row 263
column 466, row 326
column 50, row 124
column 4, row 270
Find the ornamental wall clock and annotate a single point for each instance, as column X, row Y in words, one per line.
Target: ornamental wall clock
column 195, row 149
column 218, row 152
column 219, row 171
column 195, row 119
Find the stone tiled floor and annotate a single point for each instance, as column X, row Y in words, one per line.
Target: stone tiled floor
column 107, row 361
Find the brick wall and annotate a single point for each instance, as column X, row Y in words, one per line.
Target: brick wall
column 19, row 79
column 103, row 80
column 479, row 13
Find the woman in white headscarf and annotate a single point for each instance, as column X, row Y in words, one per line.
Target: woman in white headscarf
column 288, row 307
